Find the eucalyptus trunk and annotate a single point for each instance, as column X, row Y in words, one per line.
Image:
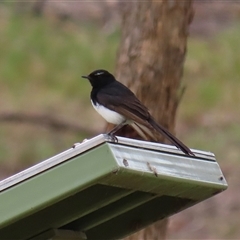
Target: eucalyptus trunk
column 150, row 62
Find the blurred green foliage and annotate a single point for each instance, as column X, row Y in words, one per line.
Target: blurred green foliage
column 36, row 52
column 210, row 106
column 41, row 63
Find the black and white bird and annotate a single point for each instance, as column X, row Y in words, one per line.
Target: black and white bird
column 118, row 105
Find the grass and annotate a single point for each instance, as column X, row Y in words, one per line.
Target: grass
column 41, row 63
column 210, row 105
column 212, row 73
column 39, row 54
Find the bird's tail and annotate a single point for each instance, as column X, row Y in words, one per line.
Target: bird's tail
column 170, row 137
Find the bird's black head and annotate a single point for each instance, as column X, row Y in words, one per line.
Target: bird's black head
column 100, row 78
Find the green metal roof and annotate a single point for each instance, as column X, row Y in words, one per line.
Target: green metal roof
column 105, row 190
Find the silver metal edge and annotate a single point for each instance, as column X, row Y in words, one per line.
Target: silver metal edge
column 51, row 162
column 160, row 147
column 87, row 145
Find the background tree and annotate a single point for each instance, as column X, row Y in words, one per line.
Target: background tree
column 150, row 61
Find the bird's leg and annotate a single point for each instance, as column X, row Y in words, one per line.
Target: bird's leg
column 115, row 129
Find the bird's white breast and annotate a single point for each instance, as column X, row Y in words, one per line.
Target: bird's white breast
column 109, row 115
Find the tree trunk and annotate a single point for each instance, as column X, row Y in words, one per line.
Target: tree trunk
column 38, row 7
column 150, row 61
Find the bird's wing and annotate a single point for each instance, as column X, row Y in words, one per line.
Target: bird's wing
column 134, row 110
column 123, row 102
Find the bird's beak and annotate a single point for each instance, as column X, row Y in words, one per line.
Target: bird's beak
column 85, row 77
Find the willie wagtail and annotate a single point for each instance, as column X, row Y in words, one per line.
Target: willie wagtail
column 118, row 105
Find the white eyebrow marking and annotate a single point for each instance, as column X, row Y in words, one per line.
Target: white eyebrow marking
column 99, row 73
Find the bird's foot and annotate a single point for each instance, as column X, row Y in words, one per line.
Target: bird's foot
column 76, row 144
column 112, row 137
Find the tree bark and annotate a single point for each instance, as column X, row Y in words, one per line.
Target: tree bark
column 150, row 62
column 38, row 7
